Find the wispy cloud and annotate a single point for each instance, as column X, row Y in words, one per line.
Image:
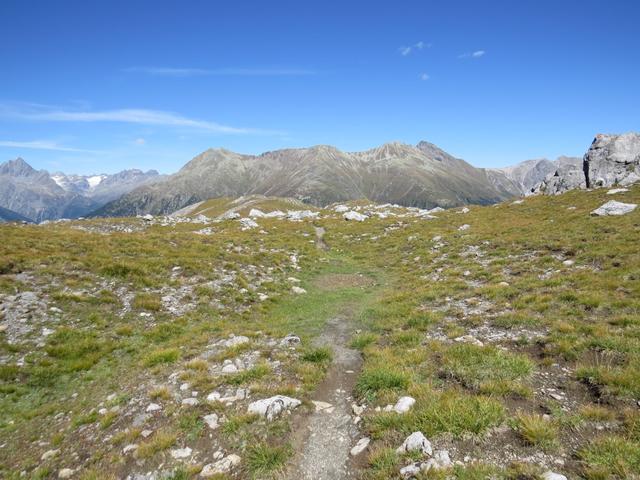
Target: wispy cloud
column 43, row 145
column 404, row 51
column 476, row 54
column 239, row 72
column 424, row 76
column 128, row 115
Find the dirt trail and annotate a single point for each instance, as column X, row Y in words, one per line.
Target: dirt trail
column 320, row 243
column 326, row 437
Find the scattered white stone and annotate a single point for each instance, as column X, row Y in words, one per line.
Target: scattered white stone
column 221, row 466
column 439, row 461
column 323, row 406
column 271, row 408
column 355, row 216
column 213, row 397
column 184, row 387
column 212, row 420
column 190, row 402
column 255, row 213
column 340, row 208
column 129, row 448
column 48, row 454
column 404, row 404
column 469, row 339
column 235, row 340
column 148, row 217
column 517, row 202
column 290, row 340
column 248, row 223
column 568, row 263
column 229, row 368
column 179, row 453
column 357, row 409
column 65, row 473
column 549, row 475
column 146, row 433
column 410, row 470
column 614, row 191
column 416, row 442
column 298, row 290
column 154, row 407
column 614, row 208
column 464, row 227
column 464, row 210
column 360, row 447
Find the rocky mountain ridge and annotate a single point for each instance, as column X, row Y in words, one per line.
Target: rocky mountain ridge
column 38, row 195
column 422, row 176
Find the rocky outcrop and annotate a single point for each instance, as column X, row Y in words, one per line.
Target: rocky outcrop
column 610, row 160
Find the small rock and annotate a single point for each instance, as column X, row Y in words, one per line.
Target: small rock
column 360, row 447
column 613, row 191
column 464, row 227
column 568, row 263
column 357, row 409
column 290, row 340
column 404, row 404
column 229, row 368
column 48, row 454
column 65, row 473
column 355, row 216
column 298, row 290
column 179, row 453
column 549, row 475
column 416, row 442
column 146, row 433
column 129, row 448
column 221, row 466
column 272, row 407
column 211, row 420
column 323, row 406
column 154, row 407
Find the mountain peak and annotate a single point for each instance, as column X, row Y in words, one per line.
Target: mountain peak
column 17, row 168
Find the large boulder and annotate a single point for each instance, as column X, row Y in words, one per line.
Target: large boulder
column 614, row 208
column 613, row 160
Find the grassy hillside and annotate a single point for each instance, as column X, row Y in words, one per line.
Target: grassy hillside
column 518, row 336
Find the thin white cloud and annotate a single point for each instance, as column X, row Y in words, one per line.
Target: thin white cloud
column 140, row 141
column 240, row 72
column 476, row 54
column 404, row 51
column 128, row 115
column 43, row 145
column 424, row 76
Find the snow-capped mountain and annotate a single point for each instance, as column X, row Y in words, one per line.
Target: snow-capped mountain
column 39, row 195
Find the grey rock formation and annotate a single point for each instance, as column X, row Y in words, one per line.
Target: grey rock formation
column 422, row 176
column 567, row 176
column 38, row 196
column 524, row 177
column 614, row 208
column 613, row 160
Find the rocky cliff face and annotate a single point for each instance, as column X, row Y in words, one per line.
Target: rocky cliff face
column 422, row 176
column 38, row 195
column 610, row 160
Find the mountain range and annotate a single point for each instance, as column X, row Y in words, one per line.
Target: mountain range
column 38, row 195
column 421, row 175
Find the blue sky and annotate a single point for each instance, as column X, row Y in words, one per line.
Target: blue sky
column 88, row 86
